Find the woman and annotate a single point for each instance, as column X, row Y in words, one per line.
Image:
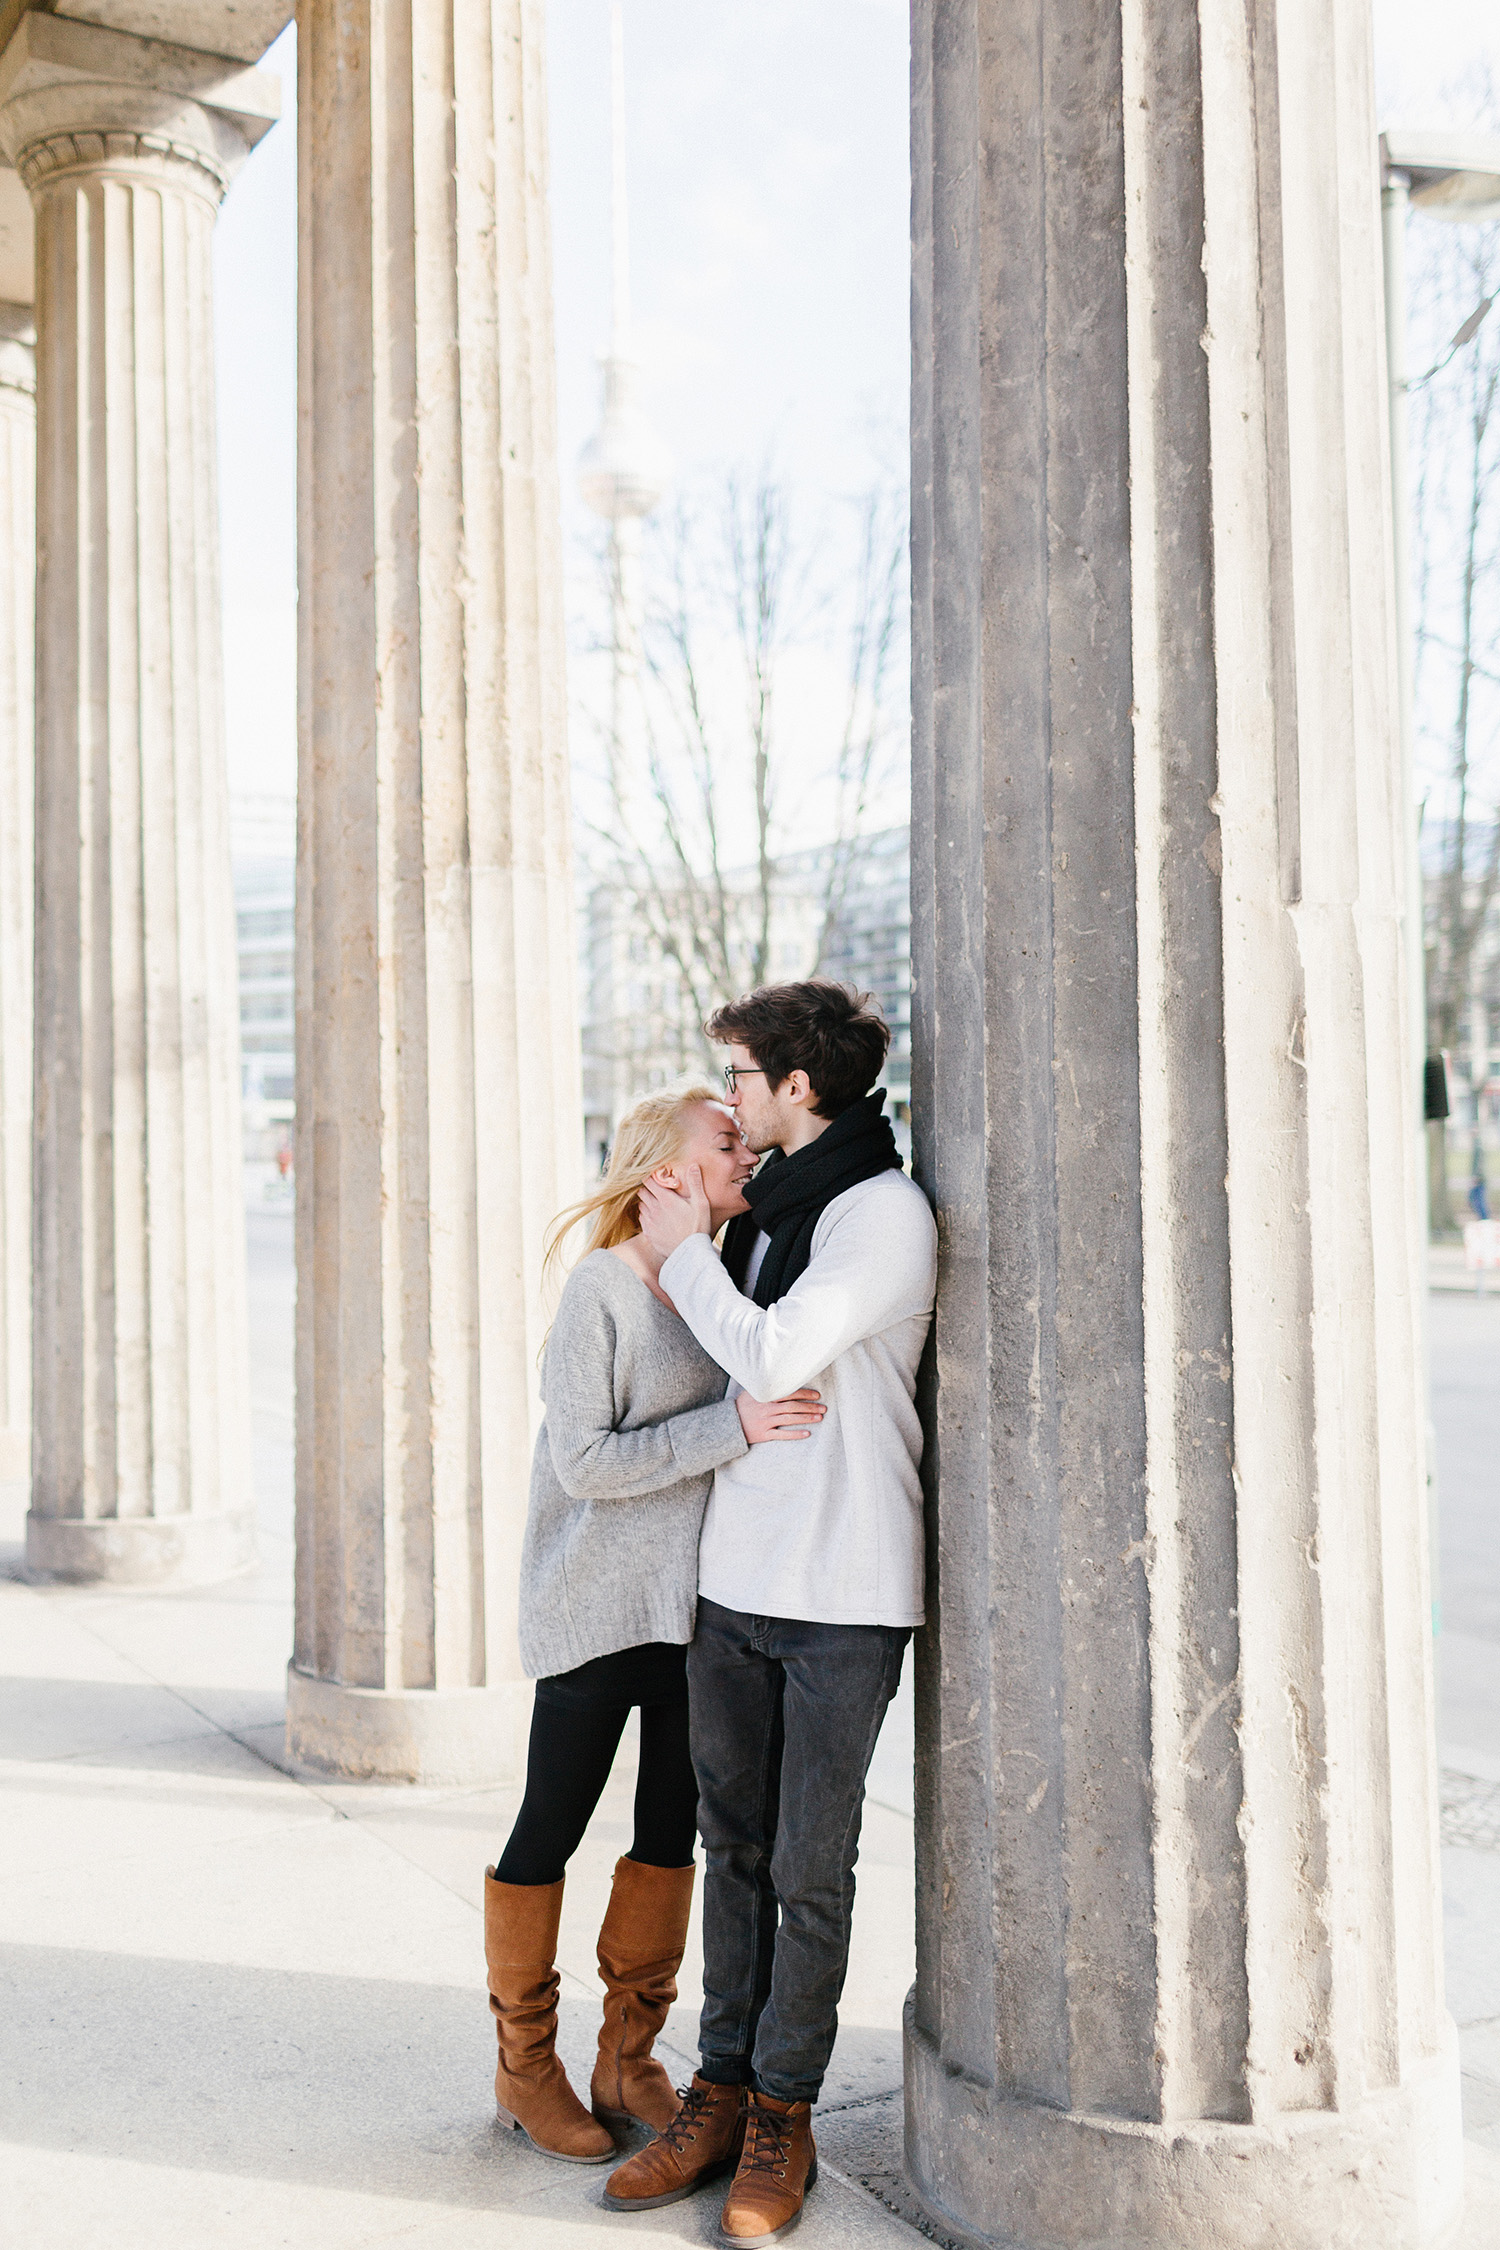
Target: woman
column 636, row 1423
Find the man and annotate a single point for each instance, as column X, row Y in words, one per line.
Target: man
column 809, row 1577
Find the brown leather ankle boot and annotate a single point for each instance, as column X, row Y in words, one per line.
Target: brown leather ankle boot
column 531, row 2086
column 640, row 1951
column 700, row 2143
column 777, row 2167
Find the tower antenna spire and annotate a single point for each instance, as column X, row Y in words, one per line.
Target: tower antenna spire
column 619, row 343
column 623, row 470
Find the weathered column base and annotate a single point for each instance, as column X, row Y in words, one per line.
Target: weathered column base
column 446, row 1737
column 1015, row 2174
column 163, row 1552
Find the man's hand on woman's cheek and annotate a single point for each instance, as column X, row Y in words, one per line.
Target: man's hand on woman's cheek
column 669, row 1215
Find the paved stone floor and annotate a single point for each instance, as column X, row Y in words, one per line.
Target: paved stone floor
column 238, row 2009
column 1464, row 1335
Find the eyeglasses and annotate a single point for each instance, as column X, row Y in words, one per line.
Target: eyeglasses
column 732, row 1071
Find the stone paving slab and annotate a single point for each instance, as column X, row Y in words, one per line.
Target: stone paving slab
column 245, row 2007
column 138, row 2207
column 1479, row 2228
column 1447, row 1271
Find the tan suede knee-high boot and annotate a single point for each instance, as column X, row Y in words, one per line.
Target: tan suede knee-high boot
column 640, row 1952
column 531, row 2086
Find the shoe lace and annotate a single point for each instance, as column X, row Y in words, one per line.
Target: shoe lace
column 768, row 2137
column 694, row 2102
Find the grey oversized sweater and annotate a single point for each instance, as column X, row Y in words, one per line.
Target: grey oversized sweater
column 636, row 1424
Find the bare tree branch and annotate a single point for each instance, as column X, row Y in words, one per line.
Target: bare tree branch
column 712, row 876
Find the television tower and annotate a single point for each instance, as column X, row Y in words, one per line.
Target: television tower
column 624, row 469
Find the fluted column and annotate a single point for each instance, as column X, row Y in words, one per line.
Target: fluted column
column 17, row 748
column 438, row 1107
column 1178, row 1967
column 140, row 1462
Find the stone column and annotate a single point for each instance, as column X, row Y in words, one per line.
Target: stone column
column 17, row 748
column 1178, row 1967
column 140, row 1383
column 439, row 1124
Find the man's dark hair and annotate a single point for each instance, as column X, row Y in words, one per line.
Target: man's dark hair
column 829, row 1030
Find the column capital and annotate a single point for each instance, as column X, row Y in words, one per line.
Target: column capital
column 76, row 97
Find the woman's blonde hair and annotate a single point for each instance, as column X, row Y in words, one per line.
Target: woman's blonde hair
column 651, row 1133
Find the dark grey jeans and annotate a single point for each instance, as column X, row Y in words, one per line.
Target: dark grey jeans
column 783, row 1716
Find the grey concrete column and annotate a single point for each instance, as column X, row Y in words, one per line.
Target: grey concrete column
column 1178, row 1965
column 17, row 750
column 438, row 1108
column 140, row 1458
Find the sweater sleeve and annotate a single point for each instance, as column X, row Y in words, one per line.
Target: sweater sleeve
column 867, row 1273
column 592, row 1459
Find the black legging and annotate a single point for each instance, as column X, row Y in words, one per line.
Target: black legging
column 575, row 1733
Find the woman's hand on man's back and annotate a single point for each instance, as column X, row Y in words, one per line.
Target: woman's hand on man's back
column 773, row 1421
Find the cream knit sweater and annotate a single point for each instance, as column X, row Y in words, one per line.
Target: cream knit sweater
column 830, row 1528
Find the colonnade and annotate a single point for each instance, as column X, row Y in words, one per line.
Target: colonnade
column 1177, row 1911
column 438, row 1090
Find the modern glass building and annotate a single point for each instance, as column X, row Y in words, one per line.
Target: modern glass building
column 264, row 904
column 639, row 1011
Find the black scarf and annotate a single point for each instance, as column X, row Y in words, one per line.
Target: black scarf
column 789, row 1194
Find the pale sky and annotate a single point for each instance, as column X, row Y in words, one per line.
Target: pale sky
column 769, row 203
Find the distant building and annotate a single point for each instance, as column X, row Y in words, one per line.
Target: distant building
column 639, row 1026
column 265, row 921
column 639, row 1021
column 871, row 947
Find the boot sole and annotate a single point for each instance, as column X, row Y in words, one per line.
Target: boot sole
column 558, row 2155
column 777, row 2234
column 674, row 2195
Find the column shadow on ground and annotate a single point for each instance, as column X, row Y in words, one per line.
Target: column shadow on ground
column 117, row 1722
column 379, row 2087
column 342, row 2082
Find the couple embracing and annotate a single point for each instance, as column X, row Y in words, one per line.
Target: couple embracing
column 725, row 1531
